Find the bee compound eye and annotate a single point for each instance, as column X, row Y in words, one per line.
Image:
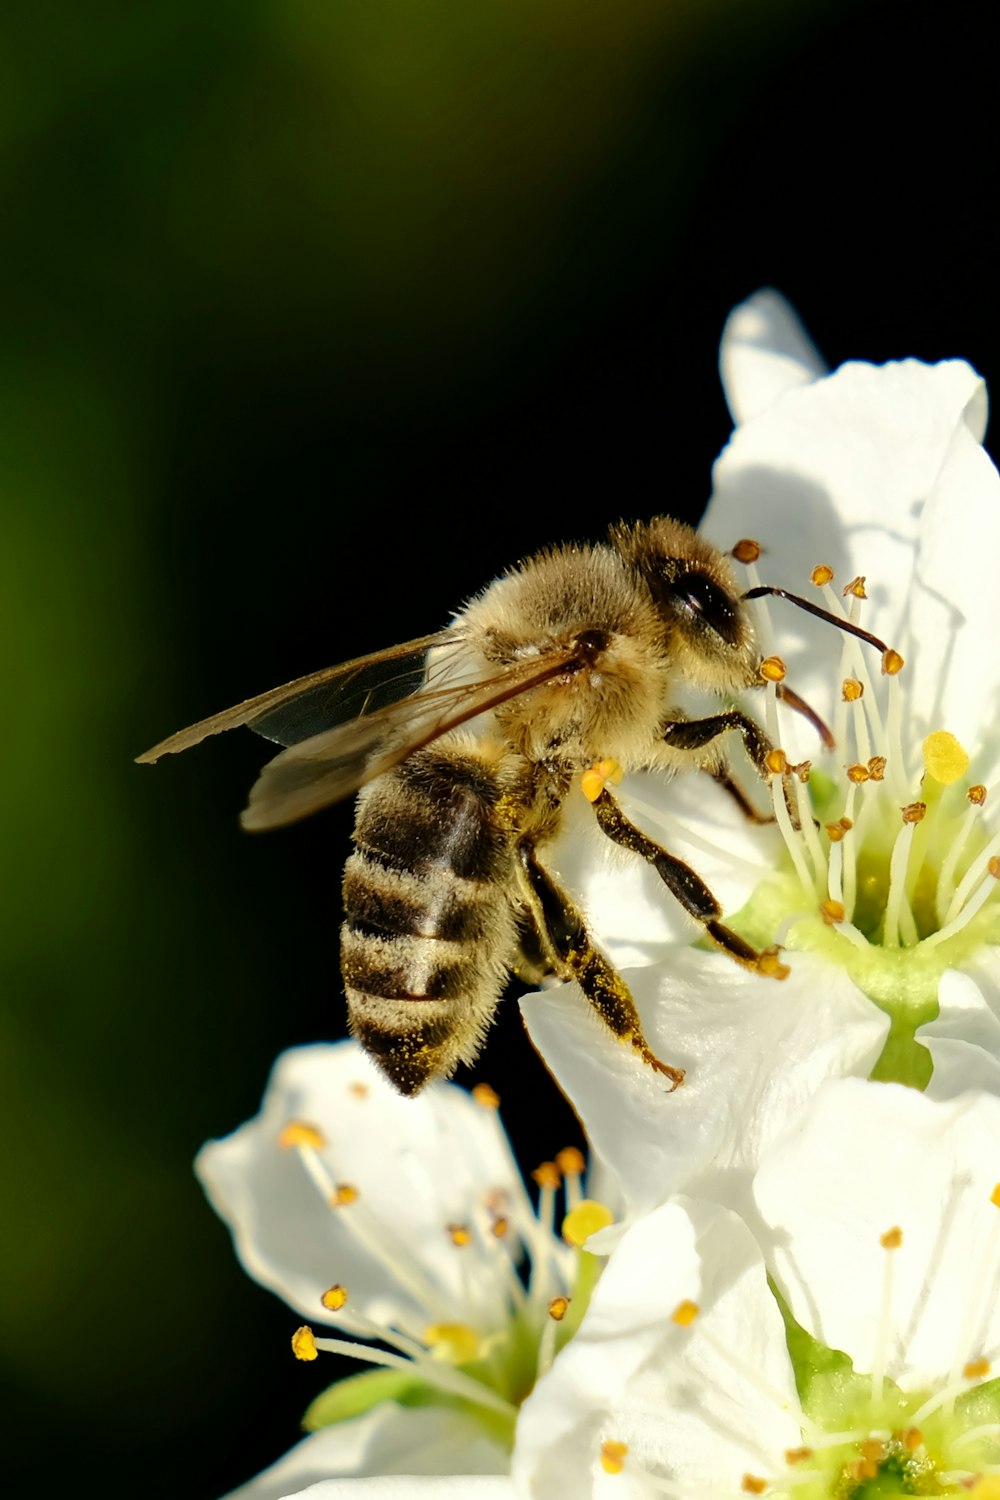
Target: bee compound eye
column 702, row 600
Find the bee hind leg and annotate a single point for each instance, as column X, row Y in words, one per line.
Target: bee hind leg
column 687, row 887
column 561, row 931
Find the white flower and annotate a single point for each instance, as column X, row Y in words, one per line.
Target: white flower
column 889, row 882
column 401, row 1221
column 877, row 1219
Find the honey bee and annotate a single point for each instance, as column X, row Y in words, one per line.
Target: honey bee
column 464, row 746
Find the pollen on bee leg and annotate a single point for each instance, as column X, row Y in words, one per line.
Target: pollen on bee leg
column 301, row 1133
column 613, row 1455
column 594, row 780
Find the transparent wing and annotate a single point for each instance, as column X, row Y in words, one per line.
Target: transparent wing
column 298, row 710
column 319, row 771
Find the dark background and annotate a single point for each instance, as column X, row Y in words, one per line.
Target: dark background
column 275, row 272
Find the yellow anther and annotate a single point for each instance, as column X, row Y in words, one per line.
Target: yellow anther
column 558, row 1308
column 301, row 1133
column 836, row 831
column 995, row 1196
column 832, row 912
column 547, row 1175
column 914, row 812
column 856, row 588
column 876, row 767
column 343, row 1194
column 797, row 1455
column 862, row 1469
column 776, row 762
column 685, row 1313
column 455, row 1342
column 499, row 1228
column 773, row 669
column 486, row 1096
column 752, row 1484
column 459, row 1234
column 593, row 781
column 851, row 689
column 911, row 1438
column 976, row 1369
column 334, row 1297
column 304, row 1343
column 944, row 758
column 747, row 550
column 821, row 574
column 977, row 794
column 359, row 1090
column 613, row 1456
column 892, row 663
column 584, row 1220
column 892, row 1239
column 771, row 966
column 801, row 770
column 872, row 1449
column 858, row 773
column 570, row 1161
column 993, row 865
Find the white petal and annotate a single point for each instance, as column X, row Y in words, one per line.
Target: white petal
column 964, row 1040
column 755, row 1050
column 629, row 909
column 418, row 1164
column 390, row 1440
column 837, row 472
column 765, row 351
column 954, row 614
column 631, row 1374
column 439, row 1487
column 867, row 1158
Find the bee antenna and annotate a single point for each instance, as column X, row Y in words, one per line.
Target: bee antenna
column 790, row 696
column 820, row 613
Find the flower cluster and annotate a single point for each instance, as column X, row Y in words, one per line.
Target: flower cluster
column 792, row 1280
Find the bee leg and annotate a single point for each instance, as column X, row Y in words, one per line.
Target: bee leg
column 562, row 930
column 730, row 785
column 695, row 734
column 533, row 962
column 686, row 886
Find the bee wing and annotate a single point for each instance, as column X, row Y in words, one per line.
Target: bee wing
column 300, row 709
column 319, row 771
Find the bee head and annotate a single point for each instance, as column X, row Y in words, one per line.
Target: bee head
column 693, row 590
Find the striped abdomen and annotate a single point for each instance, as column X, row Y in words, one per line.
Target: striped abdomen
column 428, row 928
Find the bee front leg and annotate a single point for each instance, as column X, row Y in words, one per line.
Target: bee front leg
column 695, row 734
column 687, row 886
column 562, row 930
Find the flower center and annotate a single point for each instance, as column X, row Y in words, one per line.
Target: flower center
column 889, row 867
column 519, row 1295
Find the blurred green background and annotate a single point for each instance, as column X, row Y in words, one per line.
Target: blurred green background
column 292, row 294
